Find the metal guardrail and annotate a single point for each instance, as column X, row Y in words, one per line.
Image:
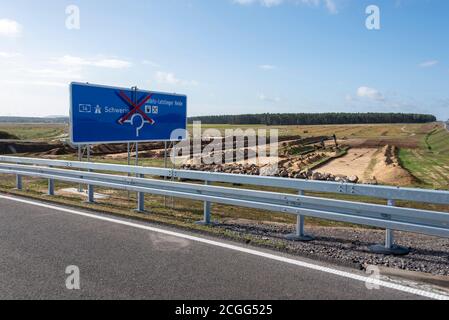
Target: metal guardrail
column 387, row 216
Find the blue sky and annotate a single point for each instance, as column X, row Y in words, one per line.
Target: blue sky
column 230, row 56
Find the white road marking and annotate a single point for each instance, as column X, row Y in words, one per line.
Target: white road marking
column 253, row 252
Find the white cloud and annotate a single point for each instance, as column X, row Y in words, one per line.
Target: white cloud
column 36, row 83
column 428, row 64
column 267, row 67
column 330, row 5
column 72, row 61
column 171, row 79
column 370, row 93
column 32, row 71
column 349, row 98
column 150, row 63
column 265, row 3
column 271, row 3
column 46, row 80
column 244, row 2
column 9, row 55
column 167, row 78
column 10, row 28
column 265, row 98
column 70, row 74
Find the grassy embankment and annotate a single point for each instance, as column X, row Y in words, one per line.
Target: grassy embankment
column 430, row 162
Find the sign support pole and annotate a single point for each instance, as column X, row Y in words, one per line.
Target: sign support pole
column 90, row 189
column 80, row 158
column 137, row 154
column 165, row 166
column 173, row 173
column 140, row 195
column 128, row 147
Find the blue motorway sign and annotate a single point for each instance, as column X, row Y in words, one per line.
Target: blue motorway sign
column 101, row 114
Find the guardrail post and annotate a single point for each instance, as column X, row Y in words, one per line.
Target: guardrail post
column 390, row 248
column 80, row 158
column 19, row 185
column 140, row 199
column 90, row 194
column 140, row 202
column 51, row 187
column 207, row 206
column 389, row 239
column 300, row 235
column 90, row 188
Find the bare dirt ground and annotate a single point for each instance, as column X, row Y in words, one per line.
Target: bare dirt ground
column 357, row 162
column 371, row 165
column 388, row 170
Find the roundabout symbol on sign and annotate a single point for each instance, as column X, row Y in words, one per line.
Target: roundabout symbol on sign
column 136, row 117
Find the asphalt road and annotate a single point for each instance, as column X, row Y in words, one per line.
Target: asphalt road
column 125, row 262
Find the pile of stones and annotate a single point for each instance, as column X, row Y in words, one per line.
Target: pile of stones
column 254, row 170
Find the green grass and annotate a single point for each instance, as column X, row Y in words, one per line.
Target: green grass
column 439, row 141
column 429, row 163
column 41, row 132
column 303, row 150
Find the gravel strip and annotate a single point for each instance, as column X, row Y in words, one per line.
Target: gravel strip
column 349, row 246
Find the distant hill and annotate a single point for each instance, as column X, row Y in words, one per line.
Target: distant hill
column 34, row 120
column 315, row 118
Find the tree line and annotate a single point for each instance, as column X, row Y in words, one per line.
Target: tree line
column 272, row 119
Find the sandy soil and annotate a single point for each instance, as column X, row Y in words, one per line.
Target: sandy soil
column 357, row 162
column 371, row 165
